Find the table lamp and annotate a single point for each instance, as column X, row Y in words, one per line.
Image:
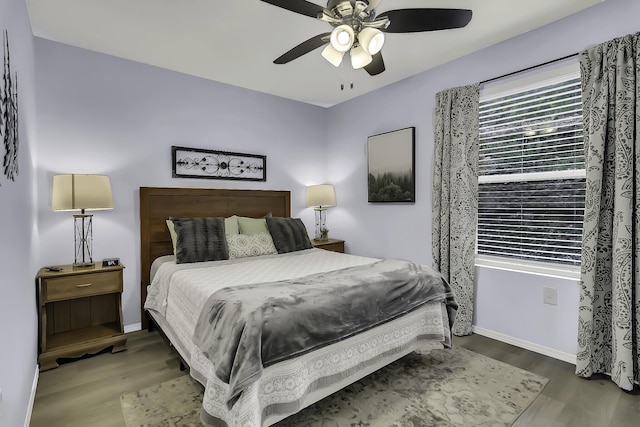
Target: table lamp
column 79, row 192
column 321, row 197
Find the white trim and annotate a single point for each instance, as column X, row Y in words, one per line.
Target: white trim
column 546, row 351
column 532, row 79
column 132, row 328
column 32, row 398
column 533, row 176
column 559, row 271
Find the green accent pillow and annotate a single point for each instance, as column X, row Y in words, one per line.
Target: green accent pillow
column 231, row 225
column 252, row 225
column 172, row 232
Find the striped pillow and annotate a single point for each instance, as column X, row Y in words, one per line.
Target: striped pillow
column 200, row 239
column 289, row 234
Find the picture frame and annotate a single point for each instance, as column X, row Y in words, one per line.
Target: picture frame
column 212, row 164
column 391, row 167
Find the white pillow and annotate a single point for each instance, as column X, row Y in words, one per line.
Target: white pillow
column 247, row 245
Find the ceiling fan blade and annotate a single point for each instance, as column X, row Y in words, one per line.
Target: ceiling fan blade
column 376, row 66
column 298, row 6
column 417, row 20
column 302, row 48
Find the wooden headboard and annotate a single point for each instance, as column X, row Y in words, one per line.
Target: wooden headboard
column 158, row 204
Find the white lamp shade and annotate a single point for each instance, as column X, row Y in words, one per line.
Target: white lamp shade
column 371, row 39
column 77, row 192
column 332, row 55
column 360, row 57
column 323, row 195
column 342, row 38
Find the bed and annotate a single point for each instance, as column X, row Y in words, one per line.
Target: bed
column 180, row 298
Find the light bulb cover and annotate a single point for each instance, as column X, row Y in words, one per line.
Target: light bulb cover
column 371, row 39
column 338, row 40
column 332, row 55
column 360, row 57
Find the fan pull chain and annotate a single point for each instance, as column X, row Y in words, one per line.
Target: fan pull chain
column 342, row 77
column 351, row 77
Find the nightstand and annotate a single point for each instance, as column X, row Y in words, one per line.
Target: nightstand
column 80, row 312
column 334, row 245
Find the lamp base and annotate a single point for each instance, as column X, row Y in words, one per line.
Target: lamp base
column 83, row 239
column 322, row 233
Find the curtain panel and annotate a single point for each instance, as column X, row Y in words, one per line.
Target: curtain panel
column 609, row 310
column 455, row 195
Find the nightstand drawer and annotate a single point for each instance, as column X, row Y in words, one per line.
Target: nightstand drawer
column 68, row 287
column 334, row 245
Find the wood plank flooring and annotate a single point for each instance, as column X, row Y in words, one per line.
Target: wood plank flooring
column 86, row 392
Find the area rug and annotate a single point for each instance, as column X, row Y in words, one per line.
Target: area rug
column 454, row 387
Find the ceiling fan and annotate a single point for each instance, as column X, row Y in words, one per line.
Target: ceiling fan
column 359, row 30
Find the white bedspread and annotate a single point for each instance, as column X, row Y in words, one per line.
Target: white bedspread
column 189, row 285
column 179, row 291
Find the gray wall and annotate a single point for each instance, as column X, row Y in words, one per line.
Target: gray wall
column 509, row 305
column 18, row 244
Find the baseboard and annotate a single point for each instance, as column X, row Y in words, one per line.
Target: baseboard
column 133, row 327
column 547, row 351
column 32, row 398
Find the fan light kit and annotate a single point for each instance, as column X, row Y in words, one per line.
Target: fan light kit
column 359, row 29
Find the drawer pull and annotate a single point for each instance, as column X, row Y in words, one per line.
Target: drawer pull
column 86, row 285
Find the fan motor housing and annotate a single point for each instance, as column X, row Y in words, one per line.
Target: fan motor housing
column 345, row 9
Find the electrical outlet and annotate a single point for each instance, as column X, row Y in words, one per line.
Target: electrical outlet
column 550, row 295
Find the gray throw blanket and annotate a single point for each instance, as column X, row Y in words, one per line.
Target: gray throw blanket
column 242, row 329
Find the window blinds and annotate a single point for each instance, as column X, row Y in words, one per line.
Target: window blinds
column 531, row 174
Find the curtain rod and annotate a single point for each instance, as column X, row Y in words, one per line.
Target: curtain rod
column 528, row 68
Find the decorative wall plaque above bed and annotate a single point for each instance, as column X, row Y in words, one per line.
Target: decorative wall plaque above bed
column 202, row 163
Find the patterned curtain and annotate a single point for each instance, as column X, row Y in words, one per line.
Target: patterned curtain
column 455, row 195
column 609, row 321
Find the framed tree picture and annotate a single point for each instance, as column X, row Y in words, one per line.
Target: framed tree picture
column 391, row 166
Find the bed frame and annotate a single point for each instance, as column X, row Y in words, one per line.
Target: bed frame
column 158, row 204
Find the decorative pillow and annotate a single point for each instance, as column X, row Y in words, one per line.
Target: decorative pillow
column 200, row 239
column 289, row 234
column 247, row 245
column 252, row 225
column 172, row 232
column 231, row 225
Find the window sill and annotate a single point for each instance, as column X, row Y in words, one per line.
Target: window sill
column 542, row 269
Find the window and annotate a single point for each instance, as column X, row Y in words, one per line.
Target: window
column 531, row 172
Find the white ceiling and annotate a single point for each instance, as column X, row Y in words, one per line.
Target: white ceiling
column 236, row 41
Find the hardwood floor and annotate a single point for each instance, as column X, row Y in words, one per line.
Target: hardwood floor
column 86, row 392
column 567, row 400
